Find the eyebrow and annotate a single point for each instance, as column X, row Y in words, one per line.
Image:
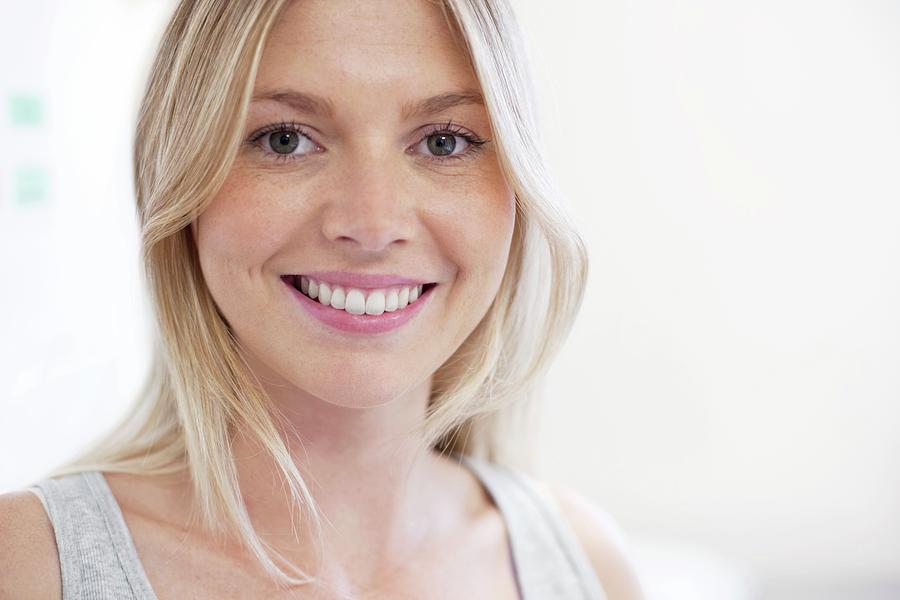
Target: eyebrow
column 299, row 101
column 441, row 102
column 317, row 105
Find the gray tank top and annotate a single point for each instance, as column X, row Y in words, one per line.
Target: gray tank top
column 98, row 559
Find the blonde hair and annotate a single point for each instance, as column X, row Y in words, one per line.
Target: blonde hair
column 200, row 391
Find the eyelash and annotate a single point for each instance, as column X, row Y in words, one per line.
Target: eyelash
column 474, row 141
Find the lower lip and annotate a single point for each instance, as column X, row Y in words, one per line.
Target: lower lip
column 361, row 324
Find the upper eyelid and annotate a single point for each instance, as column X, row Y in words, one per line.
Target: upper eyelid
column 305, row 129
column 282, row 126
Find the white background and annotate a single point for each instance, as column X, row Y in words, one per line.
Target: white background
column 731, row 391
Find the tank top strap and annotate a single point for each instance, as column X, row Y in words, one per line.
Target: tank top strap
column 97, row 557
column 550, row 562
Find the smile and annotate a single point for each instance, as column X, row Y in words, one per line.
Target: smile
column 356, row 310
column 358, row 301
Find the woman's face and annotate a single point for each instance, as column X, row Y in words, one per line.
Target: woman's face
column 346, row 172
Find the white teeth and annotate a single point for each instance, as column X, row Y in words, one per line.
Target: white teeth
column 375, row 303
column 403, row 298
column 358, row 302
column 324, row 294
column 391, row 301
column 337, row 298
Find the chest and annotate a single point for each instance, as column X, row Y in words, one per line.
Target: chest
column 481, row 568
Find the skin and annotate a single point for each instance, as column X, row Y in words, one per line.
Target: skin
column 365, row 194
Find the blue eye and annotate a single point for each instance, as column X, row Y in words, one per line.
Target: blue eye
column 284, row 142
column 281, row 140
column 441, row 142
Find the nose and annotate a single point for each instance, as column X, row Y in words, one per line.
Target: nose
column 369, row 210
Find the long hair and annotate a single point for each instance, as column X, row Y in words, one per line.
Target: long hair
column 200, row 390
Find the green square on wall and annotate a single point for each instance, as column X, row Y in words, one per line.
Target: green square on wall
column 31, row 185
column 26, row 109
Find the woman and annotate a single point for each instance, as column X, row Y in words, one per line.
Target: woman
column 343, row 210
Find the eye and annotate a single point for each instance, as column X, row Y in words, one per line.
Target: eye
column 448, row 142
column 283, row 140
column 443, row 144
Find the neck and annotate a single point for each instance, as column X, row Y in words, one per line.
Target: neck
column 376, row 484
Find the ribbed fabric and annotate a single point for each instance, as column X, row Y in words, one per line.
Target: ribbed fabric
column 97, row 557
column 98, row 560
column 550, row 563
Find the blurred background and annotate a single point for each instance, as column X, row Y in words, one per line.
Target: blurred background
column 730, row 394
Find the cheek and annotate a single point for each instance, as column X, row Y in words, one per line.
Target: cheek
column 242, row 222
column 500, row 238
column 481, row 233
column 235, row 235
column 491, row 226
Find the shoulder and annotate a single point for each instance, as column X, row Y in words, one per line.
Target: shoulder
column 603, row 542
column 27, row 547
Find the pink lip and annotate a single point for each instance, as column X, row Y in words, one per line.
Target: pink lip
column 362, row 281
column 359, row 324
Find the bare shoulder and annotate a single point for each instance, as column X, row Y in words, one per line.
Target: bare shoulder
column 603, row 542
column 29, row 559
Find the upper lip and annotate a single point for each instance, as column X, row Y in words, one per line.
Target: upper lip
column 363, row 280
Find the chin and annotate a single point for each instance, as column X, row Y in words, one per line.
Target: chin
column 355, row 381
column 345, row 393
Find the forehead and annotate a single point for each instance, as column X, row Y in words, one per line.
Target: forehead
column 368, row 52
